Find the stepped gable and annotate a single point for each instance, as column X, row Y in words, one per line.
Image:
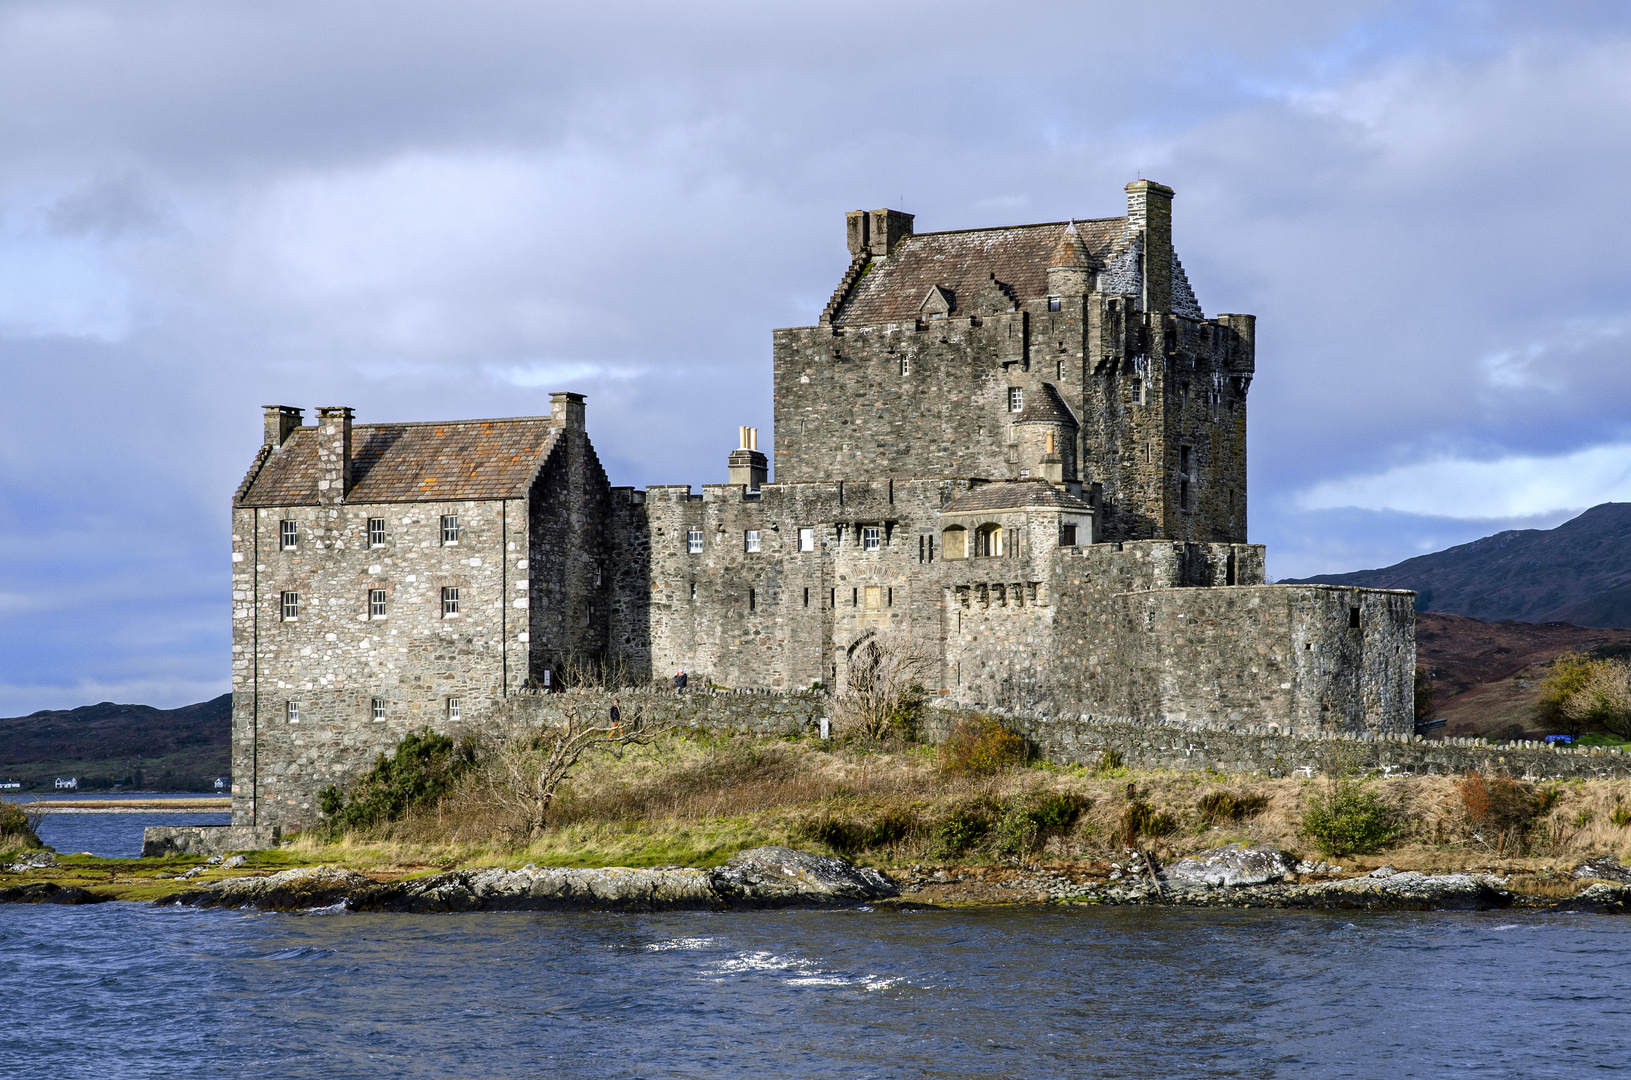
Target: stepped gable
column 466, row 459
column 1016, row 495
column 964, row 261
column 1047, row 408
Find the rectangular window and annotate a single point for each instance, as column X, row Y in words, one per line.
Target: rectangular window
column 1067, row 535
column 376, row 532
column 291, row 606
column 750, row 540
column 889, row 597
column 289, row 532
column 1183, row 493
column 920, row 548
column 291, row 711
column 832, row 599
column 753, row 600
column 450, row 528
column 450, row 602
column 452, row 708
column 855, row 597
column 905, row 365
column 1353, row 618
column 376, row 603
column 1053, row 303
column 806, row 539
column 871, row 537
column 1016, row 399
column 693, row 590
column 378, row 709
column 1138, row 391
column 1011, row 543
column 1183, row 460
column 806, row 597
column 693, row 541
column 1061, row 373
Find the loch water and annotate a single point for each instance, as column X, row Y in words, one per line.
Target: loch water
column 132, row 990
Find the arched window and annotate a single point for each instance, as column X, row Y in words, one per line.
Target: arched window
column 988, row 541
column 954, row 543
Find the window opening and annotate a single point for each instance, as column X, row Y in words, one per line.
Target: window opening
column 378, row 708
column 1016, row 399
column 376, row 603
column 855, row 597
column 1138, row 391
column 452, row 708
column 289, row 532
column 750, row 540
column 905, row 365
column 450, row 601
column 1353, row 618
column 889, row 597
column 693, row 541
column 376, row 532
column 806, row 539
column 1067, row 535
column 291, row 711
column 753, row 600
column 807, row 597
column 291, row 606
column 870, row 538
column 693, row 590
column 1053, row 303
column 450, row 528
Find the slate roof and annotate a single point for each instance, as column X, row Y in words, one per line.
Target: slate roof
column 1047, row 408
column 421, row 462
column 962, row 261
column 1016, row 495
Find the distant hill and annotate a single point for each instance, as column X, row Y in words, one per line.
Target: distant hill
column 1579, row 572
column 175, row 749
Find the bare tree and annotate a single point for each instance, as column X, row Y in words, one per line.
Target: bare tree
column 528, row 762
column 883, row 687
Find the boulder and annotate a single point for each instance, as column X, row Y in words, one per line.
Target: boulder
column 1229, row 866
column 288, row 890
column 781, row 877
column 1606, row 867
column 549, row 889
column 1407, row 891
column 1602, row 897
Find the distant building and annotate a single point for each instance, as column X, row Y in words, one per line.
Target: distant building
column 67, row 783
column 222, row 783
column 10, row 785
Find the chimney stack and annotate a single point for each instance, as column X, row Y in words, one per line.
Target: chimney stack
column 281, row 420
column 1149, row 211
column 566, row 410
column 748, row 466
column 876, row 232
column 333, row 454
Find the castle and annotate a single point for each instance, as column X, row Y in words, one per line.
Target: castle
column 1023, row 448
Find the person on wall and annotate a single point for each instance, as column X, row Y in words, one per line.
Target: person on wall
column 680, row 679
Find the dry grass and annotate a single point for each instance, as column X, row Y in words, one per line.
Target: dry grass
column 698, row 799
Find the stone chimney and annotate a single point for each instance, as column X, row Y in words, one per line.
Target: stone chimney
column 333, row 454
column 1149, row 211
column 566, row 410
column 876, row 232
column 748, row 466
column 281, row 420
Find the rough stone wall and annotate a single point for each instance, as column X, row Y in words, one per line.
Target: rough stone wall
column 568, row 591
column 335, row 659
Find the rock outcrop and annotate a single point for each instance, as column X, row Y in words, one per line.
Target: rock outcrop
column 1231, row 865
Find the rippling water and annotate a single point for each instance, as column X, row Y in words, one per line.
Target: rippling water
column 128, row 990
column 112, row 836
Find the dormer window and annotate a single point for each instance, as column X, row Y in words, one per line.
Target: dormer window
column 1016, row 399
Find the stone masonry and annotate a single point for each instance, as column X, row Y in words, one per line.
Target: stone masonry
column 1019, row 451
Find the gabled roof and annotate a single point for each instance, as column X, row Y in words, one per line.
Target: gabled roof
column 963, row 261
column 1016, row 495
column 1047, row 407
column 421, row 462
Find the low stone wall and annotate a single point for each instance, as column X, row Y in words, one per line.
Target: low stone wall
column 1071, row 739
column 161, row 840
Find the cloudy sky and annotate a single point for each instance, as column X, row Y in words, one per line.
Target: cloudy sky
column 442, row 210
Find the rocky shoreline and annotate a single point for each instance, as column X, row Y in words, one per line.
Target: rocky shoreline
column 771, row 877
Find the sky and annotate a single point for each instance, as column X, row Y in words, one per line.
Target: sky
column 448, row 210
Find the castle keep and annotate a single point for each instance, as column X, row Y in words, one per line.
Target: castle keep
column 1020, row 450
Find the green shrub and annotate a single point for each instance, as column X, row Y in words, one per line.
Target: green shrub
column 15, row 828
column 980, row 746
column 1110, row 763
column 1222, row 807
column 1140, row 819
column 963, row 826
column 1028, row 822
column 423, row 769
column 1348, row 818
column 1620, row 815
column 889, row 826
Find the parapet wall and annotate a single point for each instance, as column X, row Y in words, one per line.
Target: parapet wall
column 1074, row 739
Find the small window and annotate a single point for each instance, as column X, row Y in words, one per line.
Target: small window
column 806, row 597
column 289, row 532
column 1016, row 399
column 450, row 528
column 376, row 532
column 988, row 542
column 1061, row 374
column 832, row 599
column 1183, row 493
column 1353, row 618
column 753, row 600
column 871, row 538
column 906, row 365
column 693, row 541
column 1138, row 391
column 1067, row 535
column 452, row 708
column 376, row 603
column 450, row 602
column 889, row 596
column 291, row 711
column 750, row 540
column 806, row 539
column 855, row 597
column 1053, row 303
column 291, row 606
column 378, row 709
column 693, row 590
